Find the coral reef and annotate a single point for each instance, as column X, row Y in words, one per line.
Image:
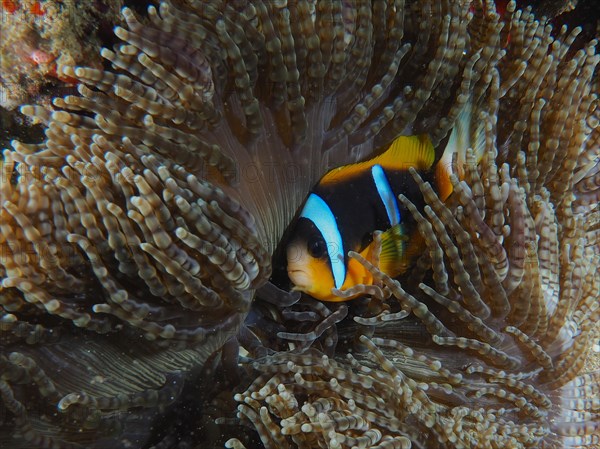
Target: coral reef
column 137, row 237
column 37, row 37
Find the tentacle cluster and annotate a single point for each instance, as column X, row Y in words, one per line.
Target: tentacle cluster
column 135, row 235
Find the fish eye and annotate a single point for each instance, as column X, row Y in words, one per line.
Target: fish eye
column 317, row 248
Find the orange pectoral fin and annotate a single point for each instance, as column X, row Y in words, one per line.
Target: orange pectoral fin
column 392, row 258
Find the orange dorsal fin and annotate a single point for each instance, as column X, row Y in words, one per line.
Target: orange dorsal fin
column 404, row 152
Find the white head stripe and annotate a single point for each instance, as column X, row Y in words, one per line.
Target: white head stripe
column 317, row 211
column 386, row 194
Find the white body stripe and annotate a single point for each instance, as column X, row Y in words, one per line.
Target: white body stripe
column 386, row 194
column 317, row 211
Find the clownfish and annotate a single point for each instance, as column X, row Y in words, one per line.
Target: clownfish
column 351, row 202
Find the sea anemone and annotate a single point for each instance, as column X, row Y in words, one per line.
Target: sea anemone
column 138, row 237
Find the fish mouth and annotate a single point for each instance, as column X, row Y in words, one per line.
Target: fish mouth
column 299, row 278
